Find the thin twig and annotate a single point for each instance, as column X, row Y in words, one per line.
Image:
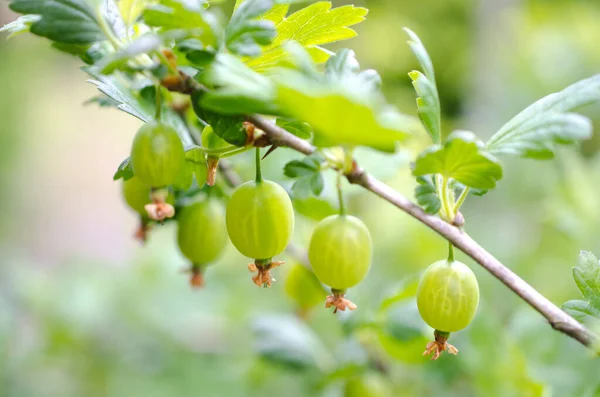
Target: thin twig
column 558, row 319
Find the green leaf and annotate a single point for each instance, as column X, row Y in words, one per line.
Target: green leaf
column 308, row 176
column 20, row 25
column 64, row 21
column 124, row 171
column 118, row 88
column 229, row 127
column 587, row 278
column 289, row 341
column 238, row 89
column 314, row 207
column 301, row 168
column 536, row 131
column 338, row 119
column 583, row 312
column 299, row 128
column 142, row 45
column 426, row 194
column 175, row 15
column 311, row 27
column 463, row 159
column 428, row 102
column 246, row 33
column 343, row 107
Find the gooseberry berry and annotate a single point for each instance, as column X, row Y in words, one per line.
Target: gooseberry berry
column 447, row 297
column 304, row 288
column 201, row 235
column 157, row 154
column 340, row 253
column 260, row 222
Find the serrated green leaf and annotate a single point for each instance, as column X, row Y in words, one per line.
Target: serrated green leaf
column 308, row 185
column 536, row 131
column 142, row 45
column 238, row 89
column 124, row 171
column 299, row 128
column 428, row 102
column 229, row 127
column 339, row 118
column 308, row 176
column 246, row 32
column 299, row 168
column 343, row 107
column 426, row 195
column 175, row 15
column 314, row 207
column 463, row 159
column 587, row 277
column 311, row 27
column 119, row 89
column 583, row 312
column 20, row 25
column 64, row 21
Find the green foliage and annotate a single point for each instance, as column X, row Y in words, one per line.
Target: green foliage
column 20, row 25
column 426, row 194
column 536, row 131
column 238, row 89
column 310, row 27
column 461, row 158
column 133, row 102
column 307, row 173
column 64, row 21
column 176, row 14
column 587, row 277
column 299, row 128
column 428, row 101
column 245, row 33
column 362, row 118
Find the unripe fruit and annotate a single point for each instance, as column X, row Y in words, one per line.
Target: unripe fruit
column 136, row 195
column 448, row 296
column 185, row 177
column 304, row 288
column 369, row 385
column 157, row 154
column 340, row 251
column 260, row 222
column 260, row 219
column 201, row 231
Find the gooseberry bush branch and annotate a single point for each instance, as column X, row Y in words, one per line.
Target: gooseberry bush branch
column 210, row 86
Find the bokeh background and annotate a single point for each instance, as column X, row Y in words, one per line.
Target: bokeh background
column 86, row 311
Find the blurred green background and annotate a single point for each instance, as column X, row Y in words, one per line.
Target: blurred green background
column 86, row 311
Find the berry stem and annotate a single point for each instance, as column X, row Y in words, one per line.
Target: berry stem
column 258, row 169
column 158, row 98
column 461, row 199
column 450, row 252
column 340, row 195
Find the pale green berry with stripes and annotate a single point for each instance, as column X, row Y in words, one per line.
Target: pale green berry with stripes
column 447, row 297
column 260, row 223
column 201, row 235
column 340, row 254
column 157, row 155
